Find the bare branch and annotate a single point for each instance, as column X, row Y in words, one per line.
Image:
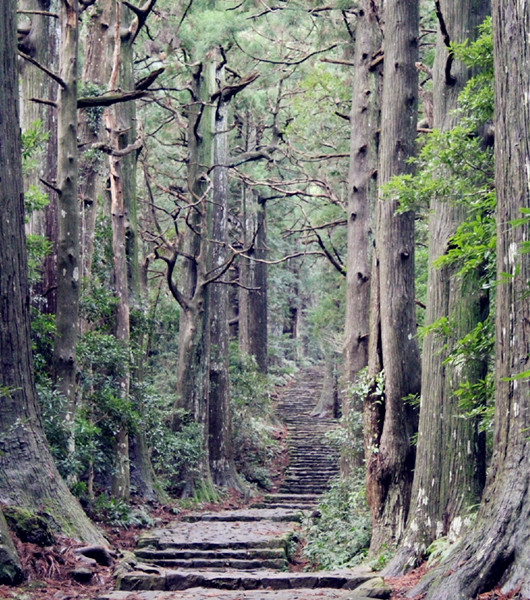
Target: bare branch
column 44, row 101
column 50, row 185
column 449, row 79
column 42, row 13
column 51, row 74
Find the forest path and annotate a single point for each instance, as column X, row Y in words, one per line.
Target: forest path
column 243, row 554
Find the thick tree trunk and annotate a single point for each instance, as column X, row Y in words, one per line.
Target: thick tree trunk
column 222, row 465
column 390, row 463
column 446, row 483
column 66, row 316
column 498, row 548
column 28, row 476
column 193, row 358
column 362, row 195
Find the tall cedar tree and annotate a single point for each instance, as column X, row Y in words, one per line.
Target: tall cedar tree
column 393, row 345
column 446, row 483
column 498, row 548
column 362, row 192
column 28, row 476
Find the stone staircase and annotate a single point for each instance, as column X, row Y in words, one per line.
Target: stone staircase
column 243, row 554
column 312, row 460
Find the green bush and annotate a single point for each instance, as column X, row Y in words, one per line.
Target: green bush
column 252, row 422
column 340, row 536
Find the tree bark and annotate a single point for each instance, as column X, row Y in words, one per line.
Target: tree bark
column 193, row 358
column 28, row 476
column 390, row 461
column 446, row 483
column 362, row 195
column 39, row 42
column 222, row 465
column 66, row 316
column 497, row 550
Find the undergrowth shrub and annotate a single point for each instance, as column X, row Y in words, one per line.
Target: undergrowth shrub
column 255, row 446
column 340, row 536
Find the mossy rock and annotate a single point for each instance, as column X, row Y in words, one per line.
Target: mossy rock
column 29, row 527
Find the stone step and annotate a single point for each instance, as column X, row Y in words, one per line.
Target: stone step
column 215, row 535
column 221, row 563
column 150, row 554
column 169, row 580
column 252, row 514
column 206, row 594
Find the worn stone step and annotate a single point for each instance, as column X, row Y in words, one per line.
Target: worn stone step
column 250, row 514
column 213, row 535
column 206, row 594
column 168, row 579
column 221, row 563
column 150, row 554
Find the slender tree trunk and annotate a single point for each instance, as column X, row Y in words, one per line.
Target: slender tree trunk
column 28, row 476
column 253, row 315
column 97, row 65
column 126, row 115
column 38, row 40
column 121, row 474
column 66, row 317
column 497, row 550
column 446, row 483
column 390, row 463
column 362, row 195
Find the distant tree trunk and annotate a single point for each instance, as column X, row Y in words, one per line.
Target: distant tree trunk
column 496, row 551
column 66, row 317
column 222, row 465
column 120, row 471
column 28, row 476
column 253, row 317
column 142, row 469
column 38, row 40
column 362, row 195
column 97, row 65
column 448, row 482
column 390, row 463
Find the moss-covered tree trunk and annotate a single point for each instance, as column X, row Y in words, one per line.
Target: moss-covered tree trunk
column 448, row 482
column 28, row 476
column 497, row 550
column 390, row 456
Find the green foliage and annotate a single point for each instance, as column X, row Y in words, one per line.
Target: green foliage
column 174, row 454
column 340, row 537
column 94, row 114
column 255, row 446
column 32, row 141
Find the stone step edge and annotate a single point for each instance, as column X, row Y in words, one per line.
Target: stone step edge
column 166, row 579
